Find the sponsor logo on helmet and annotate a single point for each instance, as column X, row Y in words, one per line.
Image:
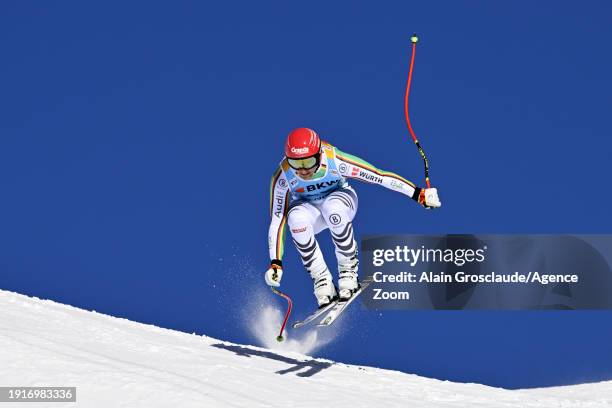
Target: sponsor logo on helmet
column 300, row 150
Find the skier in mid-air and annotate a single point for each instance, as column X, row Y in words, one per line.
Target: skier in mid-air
column 309, row 192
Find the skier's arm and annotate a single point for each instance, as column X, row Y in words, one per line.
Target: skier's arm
column 279, row 201
column 353, row 167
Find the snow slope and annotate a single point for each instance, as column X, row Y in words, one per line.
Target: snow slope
column 119, row 363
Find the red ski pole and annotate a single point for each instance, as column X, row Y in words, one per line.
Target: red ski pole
column 289, row 307
column 414, row 39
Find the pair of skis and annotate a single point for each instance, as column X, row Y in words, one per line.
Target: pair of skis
column 333, row 311
column 330, row 312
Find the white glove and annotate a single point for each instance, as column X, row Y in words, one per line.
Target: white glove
column 429, row 198
column 274, row 275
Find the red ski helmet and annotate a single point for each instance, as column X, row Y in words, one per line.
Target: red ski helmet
column 302, row 143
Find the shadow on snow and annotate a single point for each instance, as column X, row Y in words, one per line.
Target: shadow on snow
column 313, row 366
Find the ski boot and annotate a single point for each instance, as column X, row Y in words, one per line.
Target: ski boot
column 348, row 282
column 324, row 289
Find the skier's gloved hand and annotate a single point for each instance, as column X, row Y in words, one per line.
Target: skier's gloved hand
column 428, row 198
column 275, row 273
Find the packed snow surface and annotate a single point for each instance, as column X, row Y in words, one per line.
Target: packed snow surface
column 119, row 363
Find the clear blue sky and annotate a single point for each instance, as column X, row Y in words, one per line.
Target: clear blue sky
column 137, row 140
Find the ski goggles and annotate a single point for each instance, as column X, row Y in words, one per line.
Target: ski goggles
column 306, row 163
